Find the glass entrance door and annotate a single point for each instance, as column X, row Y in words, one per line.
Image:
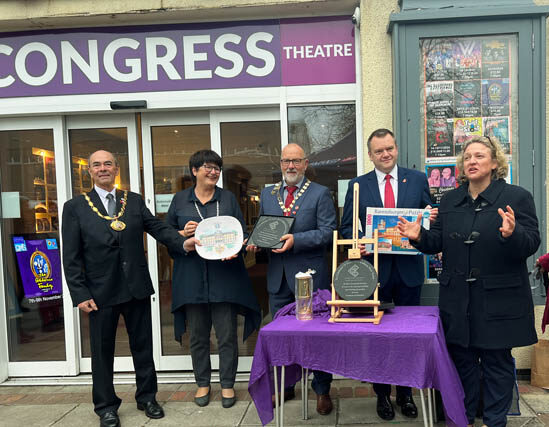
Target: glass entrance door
column 117, row 134
column 36, row 308
column 249, row 142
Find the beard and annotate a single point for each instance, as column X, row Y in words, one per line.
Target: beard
column 292, row 179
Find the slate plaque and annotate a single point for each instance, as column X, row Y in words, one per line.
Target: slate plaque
column 269, row 229
column 355, row 280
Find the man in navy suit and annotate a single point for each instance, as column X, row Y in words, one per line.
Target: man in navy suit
column 313, row 208
column 400, row 276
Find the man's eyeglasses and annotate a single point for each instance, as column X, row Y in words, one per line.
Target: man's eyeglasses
column 209, row 168
column 286, row 162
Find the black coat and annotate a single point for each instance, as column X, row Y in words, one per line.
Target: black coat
column 485, row 298
column 106, row 265
column 200, row 281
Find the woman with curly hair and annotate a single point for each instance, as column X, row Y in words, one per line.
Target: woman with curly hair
column 486, row 229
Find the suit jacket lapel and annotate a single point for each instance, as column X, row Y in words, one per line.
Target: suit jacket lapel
column 373, row 186
column 96, row 200
column 402, row 187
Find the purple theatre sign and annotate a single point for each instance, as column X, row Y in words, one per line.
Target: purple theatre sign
column 40, row 268
column 246, row 54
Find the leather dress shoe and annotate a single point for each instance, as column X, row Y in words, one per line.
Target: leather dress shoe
column 407, row 406
column 109, row 419
column 384, row 408
column 152, row 409
column 288, row 395
column 324, row 404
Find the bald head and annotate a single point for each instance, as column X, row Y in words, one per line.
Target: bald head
column 103, row 168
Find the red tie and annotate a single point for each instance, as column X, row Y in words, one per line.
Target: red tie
column 389, row 195
column 290, row 197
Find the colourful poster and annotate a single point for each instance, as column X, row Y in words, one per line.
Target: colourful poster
column 40, row 268
column 467, row 59
column 495, row 97
column 440, row 138
column 464, row 130
column 441, row 178
column 498, row 129
column 437, row 54
column 440, row 99
column 434, row 266
column 495, row 59
column 467, row 98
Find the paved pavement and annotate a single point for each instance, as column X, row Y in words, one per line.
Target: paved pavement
column 70, row 406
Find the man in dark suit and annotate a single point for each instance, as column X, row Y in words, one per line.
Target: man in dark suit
column 400, row 276
column 315, row 220
column 107, row 275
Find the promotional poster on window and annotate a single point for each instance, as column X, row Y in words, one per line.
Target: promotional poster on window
column 385, row 221
column 441, row 179
column 467, row 92
column 39, row 268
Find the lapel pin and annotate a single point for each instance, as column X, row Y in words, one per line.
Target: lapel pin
column 404, row 180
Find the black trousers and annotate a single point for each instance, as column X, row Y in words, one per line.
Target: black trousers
column 103, row 323
column 395, row 290
column 498, row 380
column 200, row 318
column 322, row 381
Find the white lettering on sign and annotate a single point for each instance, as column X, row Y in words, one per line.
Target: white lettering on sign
column 8, row 80
column 21, row 64
column 224, row 53
column 70, row 55
column 318, row 51
column 134, row 64
column 190, row 57
column 263, row 54
column 154, row 61
column 126, row 59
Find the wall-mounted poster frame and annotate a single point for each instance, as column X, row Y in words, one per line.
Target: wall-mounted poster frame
column 525, row 87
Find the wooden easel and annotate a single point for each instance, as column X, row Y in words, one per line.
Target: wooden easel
column 339, row 306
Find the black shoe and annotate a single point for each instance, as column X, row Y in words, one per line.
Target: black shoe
column 407, row 406
column 385, row 408
column 152, row 409
column 227, row 402
column 109, row 419
column 203, row 400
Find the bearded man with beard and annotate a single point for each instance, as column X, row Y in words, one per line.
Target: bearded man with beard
column 312, row 206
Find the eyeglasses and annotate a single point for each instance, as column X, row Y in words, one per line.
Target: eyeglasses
column 286, row 162
column 211, row 169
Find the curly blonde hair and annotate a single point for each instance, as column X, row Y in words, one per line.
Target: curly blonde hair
column 496, row 153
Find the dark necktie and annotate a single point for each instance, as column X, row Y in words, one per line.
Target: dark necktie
column 111, row 204
column 389, row 195
column 289, row 198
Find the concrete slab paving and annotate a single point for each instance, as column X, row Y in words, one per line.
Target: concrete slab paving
column 188, row 414
column 33, row 415
column 293, row 415
column 538, row 402
column 363, row 411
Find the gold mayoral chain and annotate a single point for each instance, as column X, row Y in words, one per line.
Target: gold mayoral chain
column 276, row 190
column 116, row 224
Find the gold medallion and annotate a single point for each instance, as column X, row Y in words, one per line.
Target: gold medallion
column 118, row 225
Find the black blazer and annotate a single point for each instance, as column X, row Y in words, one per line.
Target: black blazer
column 106, row 265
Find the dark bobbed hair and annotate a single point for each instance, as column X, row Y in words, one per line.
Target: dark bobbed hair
column 379, row 133
column 201, row 157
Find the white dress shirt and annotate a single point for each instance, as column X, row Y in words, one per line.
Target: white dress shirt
column 394, row 183
column 103, row 196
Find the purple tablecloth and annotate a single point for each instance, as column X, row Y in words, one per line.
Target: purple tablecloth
column 406, row 348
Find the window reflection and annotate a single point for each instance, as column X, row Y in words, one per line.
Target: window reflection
column 30, row 246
